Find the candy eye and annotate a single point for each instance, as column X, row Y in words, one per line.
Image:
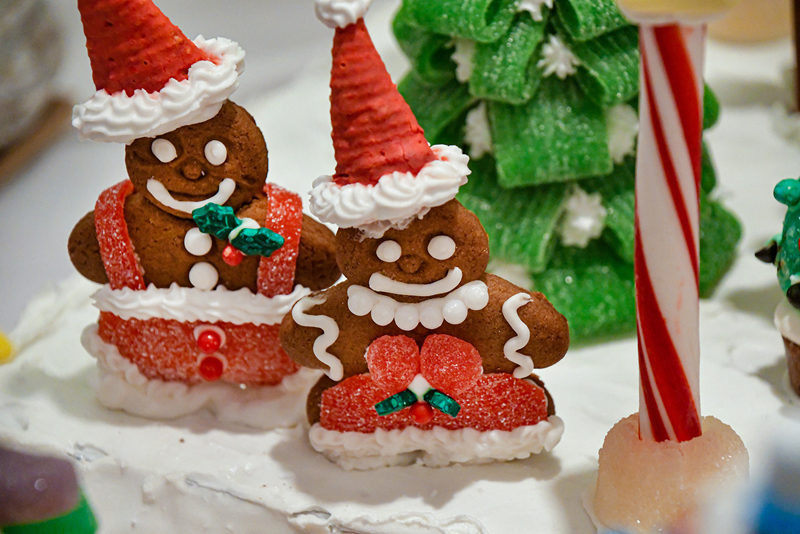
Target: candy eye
column 163, row 150
column 389, row 251
column 216, row 153
column 442, row 247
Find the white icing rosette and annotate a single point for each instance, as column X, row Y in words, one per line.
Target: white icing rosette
column 396, row 199
column 340, row 13
column 122, row 119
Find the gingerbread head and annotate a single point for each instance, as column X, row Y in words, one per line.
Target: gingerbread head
column 426, row 355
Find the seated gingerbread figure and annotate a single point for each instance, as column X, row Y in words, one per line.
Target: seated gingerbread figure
column 200, row 259
column 427, row 356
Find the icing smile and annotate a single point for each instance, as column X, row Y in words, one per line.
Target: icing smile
column 160, row 193
column 384, row 284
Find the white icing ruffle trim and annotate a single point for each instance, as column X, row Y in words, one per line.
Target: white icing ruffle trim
column 340, row 13
column 121, row 118
column 436, row 447
column 120, row 386
column 397, row 197
column 189, row 304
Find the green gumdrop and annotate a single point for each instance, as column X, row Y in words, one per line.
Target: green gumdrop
column 788, row 258
column 787, row 192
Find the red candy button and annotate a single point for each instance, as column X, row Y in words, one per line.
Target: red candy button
column 232, row 255
column 211, row 368
column 422, row 413
column 209, row 341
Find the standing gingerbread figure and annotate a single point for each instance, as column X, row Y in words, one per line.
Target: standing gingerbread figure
column 427, row 356
column 200, row 259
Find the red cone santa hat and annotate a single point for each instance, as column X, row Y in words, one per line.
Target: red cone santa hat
column 150, row 78
column 386, row 172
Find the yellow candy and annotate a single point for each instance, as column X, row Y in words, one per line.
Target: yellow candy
column 6, row 349
column 678, row 8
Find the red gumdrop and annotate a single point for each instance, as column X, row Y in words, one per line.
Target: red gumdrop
column 393, row 362
column 450, row 365
column 116, row 248
column 211, row 368
column 285, row 216
column 422, row 413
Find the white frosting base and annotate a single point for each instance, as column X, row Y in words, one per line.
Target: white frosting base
column 120, row 386
column 186, row 304
column 435, row 447
column 121, row 118
column 396, row 199
column 787, row 321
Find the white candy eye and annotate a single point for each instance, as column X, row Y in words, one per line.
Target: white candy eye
column 389, row 251
column 442, row 247
column 163, row 150
column 216, row 153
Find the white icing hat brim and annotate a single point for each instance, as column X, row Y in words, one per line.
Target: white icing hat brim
column 122, row 119
column 396, row 199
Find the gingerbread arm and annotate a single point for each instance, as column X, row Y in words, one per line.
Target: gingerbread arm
column 316, row 260
column 84, row 250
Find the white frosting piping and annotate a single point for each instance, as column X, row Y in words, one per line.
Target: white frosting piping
column 511, row 348
column 384, row 284
column 584, row 218
column 463, row 53
column 330, row 333
column 435, row 447
column 196, row 242
column 397, row 197
column 557, row 59
column 247, row 222
column 163, row 150
column 431, row 313
column 389, row 251
column 477, row 132
column 122, row 119
column 340, row 13
column 187, row 304
column 160, row 193
column 622, row 124
column 121, row 386
column 534, row 7
column 215, row 152
column 442, row 247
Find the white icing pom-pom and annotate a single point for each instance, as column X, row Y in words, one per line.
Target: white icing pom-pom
column 340, row 13
column 623, row 126
column 584, row 218
column 557, row 59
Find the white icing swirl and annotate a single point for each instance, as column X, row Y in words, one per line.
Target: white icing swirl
column 435, row 447
column 340, row 13
column 121, row 118
column 384, row 284
column 396, row 198
column 330, row 333
column 511, row 348
column 431, row 313
column 187, row 304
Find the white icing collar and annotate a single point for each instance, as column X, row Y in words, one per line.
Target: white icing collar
column 431, row 313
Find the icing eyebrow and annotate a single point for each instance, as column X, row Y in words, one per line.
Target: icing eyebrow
column 389, row 251
column 442, row 247
column 163, row 150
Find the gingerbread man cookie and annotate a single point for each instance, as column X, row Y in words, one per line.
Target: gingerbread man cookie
column 426, row 355
column 199, row 258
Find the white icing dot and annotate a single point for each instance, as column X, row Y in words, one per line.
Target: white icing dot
column 454, row 311
column 196, row 242
column 203, row 276
column 163, row 150
column 383, row 313
column 389, row 251
column 359, row 302
column 442, row 247
column 476, row 297
column 215, row 152
column 430, row 315
column 406, row 317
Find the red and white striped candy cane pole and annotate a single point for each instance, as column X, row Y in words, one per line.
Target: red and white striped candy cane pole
column 667, row 230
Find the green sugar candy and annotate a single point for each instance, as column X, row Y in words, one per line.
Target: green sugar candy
column 505, row 70
column 429, row 53
column 437, row 106
column 720, row 233
column 587, row 19
column 609, row 66
column 558, row 135
column 521, row 223
column 478, row 20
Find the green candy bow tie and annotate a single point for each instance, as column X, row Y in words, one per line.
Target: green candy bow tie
column 220, row 221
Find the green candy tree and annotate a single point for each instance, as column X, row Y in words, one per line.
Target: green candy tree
column 543, row 95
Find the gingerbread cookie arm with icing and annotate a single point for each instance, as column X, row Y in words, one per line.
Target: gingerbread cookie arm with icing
column 84, row 251
column 316, row 260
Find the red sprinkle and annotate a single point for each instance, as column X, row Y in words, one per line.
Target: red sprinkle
column 211, row 368
column 422, row 413
column 232, row 255
column 209, row 341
